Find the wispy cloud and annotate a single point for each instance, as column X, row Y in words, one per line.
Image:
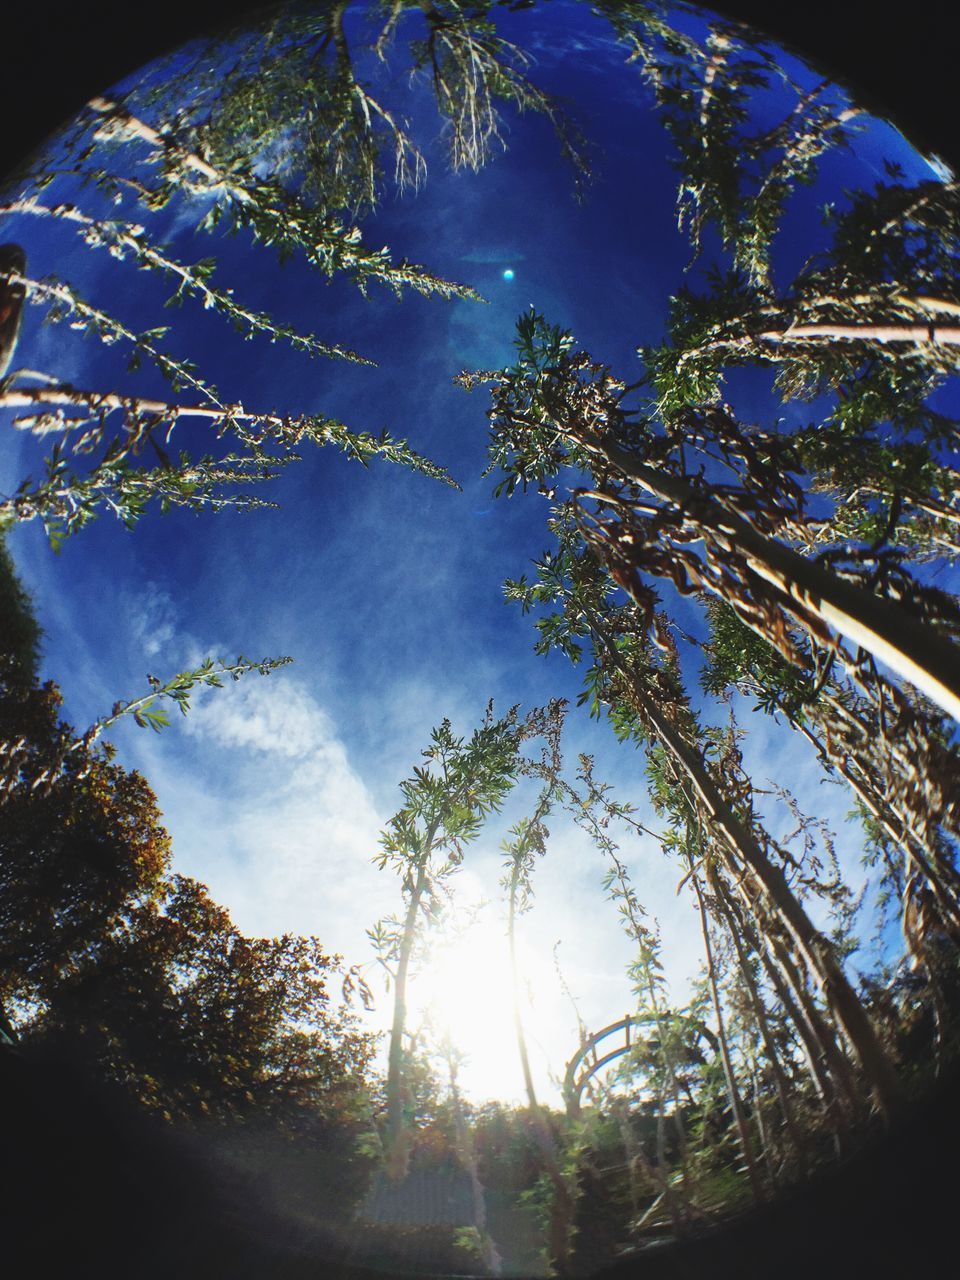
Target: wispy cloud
column 301, row 826
column 152, row 619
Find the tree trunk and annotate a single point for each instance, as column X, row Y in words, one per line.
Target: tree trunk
column 914, row 650
column 760, row 1015
column 562, row 1209
column 916, row 334
column 397, row 1149
column 812, row 1051
column 816, row 951
column 732, row 1091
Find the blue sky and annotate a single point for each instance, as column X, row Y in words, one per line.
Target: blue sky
column 384, row 586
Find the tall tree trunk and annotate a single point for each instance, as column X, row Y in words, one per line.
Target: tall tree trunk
column 915, row 334
column 812, row 1050
column 743, row 845
column 837, row 1062
column 816, row 1039
column 760, row 1015
column 398, row 1153
column 733, row 1092
column 914, row 650
column 761, row 1127
column 681, row 1208
column 562, row 1209
column 13, row 262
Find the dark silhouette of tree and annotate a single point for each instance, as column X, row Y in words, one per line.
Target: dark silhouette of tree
column 107, row 957
column 76, row 849
column 199, row 1022
column 19, row 631
column 12, row 259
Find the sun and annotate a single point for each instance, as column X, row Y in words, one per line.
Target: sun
column 465, row 988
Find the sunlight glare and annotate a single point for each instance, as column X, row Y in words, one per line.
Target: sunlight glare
column 465, row 989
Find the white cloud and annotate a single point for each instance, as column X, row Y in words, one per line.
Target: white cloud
column 152, row 620
column 274, row 715
column 300, row 828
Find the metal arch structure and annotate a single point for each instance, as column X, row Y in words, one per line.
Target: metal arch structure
column 586, row 1062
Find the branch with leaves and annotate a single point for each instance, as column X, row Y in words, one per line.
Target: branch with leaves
column 446, row 802
column 736, row 173
column 146, row 711
column 66, row 500
column 121, row 239
column 275, row 215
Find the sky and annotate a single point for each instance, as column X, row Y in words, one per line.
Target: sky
column 385, row 587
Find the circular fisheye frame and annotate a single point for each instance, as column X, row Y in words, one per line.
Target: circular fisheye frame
column 479, row 682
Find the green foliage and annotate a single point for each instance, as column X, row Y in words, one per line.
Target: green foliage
column 445, row 804
column 447, row 800
column 469, row 1240
column 66, row 499
column 126, row 240
column 291, row 87
column 178, row 689
column 736, row 654
column 21, row 633
column 736, row 175
column 127, row 158
column 869, row 324
column 525, row 441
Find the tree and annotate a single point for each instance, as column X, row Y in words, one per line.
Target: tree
column 67, row 499
column 647, row 701
column 733, row 1091
column 20, row 637
column 445, row 804
column 871, row 323
column 736, row 173
column 134, row 974
column 201, row 1023
column 558, row 408
column 906, row 788
column 525, row 842
column 295, row 84
column 75, row 850
column 200, row 140
column 664, row 1052
column 81, row 837
column 12, row 260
